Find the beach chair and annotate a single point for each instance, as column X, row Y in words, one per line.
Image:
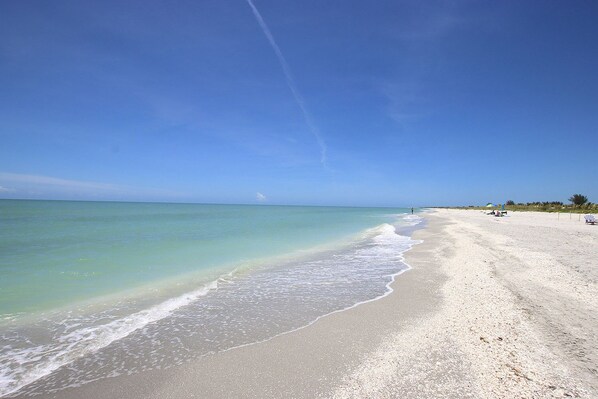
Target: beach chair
column 590, row 219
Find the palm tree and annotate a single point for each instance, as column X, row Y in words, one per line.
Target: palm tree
column 578, row 199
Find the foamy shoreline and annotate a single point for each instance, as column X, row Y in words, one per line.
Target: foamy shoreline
column 493, row 308
column 71, row 365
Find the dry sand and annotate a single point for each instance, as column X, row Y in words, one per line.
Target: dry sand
column 518, row 314
column 493, row 308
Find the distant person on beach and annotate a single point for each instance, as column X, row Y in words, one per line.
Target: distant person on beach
column 412, row 211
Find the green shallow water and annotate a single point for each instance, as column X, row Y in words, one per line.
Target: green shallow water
column 56, row 253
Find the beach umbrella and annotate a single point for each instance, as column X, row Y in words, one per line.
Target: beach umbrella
column 489, row 205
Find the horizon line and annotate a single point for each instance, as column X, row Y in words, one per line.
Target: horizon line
column 209, row 203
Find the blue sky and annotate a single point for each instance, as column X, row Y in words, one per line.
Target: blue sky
column 346, row 103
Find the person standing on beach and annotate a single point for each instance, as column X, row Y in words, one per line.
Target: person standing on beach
column 412, row 211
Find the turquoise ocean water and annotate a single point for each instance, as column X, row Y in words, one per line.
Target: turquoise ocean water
column 85, row 283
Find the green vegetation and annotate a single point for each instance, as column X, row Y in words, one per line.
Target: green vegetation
column 579, row 204
column 578, row 199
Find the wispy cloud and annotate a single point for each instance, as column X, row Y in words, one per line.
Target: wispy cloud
column 430, row 21
column 291, row 83
column 260, row 197
column 6, row 190
column 434, row 26
column 54, row 181
column 54, row 187
column 420, row 35
column 407, row 101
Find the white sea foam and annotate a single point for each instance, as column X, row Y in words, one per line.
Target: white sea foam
column 412, row 220
column 385, row 234
column 21, row 367
column 243, row 309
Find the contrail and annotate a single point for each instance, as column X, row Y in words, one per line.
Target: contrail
column 291, row 83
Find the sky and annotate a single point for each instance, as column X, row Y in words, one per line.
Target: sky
column 385, row 103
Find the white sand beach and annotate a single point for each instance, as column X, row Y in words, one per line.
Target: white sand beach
column 493, row 308
column 517, row 316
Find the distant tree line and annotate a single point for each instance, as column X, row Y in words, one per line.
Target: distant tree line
column 578, row 203
column 537, row 203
